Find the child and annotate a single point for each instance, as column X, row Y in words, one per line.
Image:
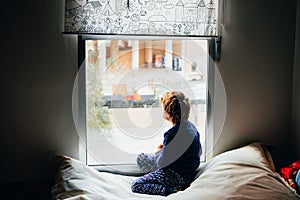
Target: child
column 173, row 167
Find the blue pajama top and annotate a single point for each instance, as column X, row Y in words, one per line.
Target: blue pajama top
column 181, row 151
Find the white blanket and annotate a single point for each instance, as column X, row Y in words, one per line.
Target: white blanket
column 246, row 173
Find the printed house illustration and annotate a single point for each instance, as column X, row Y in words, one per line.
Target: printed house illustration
column 190, row 12
column 92, row 9
column 108, row 11
column 144, row 29
column 72, row 9
column 201, row 12
column 73, row 12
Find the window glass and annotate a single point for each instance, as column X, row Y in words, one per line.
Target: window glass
column 125, row 80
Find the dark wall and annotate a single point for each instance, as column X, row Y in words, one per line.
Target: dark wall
column 296, row 86
column 39, row 66
column 257, row 70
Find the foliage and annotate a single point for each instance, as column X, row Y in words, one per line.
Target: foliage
column 97, row 115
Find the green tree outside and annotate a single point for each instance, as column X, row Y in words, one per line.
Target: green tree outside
column 98, row 117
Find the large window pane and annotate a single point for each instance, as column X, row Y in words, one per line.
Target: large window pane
column 124, row 82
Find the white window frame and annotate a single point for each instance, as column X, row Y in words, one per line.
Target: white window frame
column 133, row 169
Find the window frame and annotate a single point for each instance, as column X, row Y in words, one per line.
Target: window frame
column 132, row 169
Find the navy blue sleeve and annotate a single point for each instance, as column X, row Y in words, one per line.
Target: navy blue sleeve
column 164, row 153
column 151, row 162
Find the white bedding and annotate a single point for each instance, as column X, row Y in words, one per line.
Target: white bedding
column 246, row 173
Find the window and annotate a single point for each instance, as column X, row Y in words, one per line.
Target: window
column 124, row 82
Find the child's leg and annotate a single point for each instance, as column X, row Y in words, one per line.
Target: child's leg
column 160, row 182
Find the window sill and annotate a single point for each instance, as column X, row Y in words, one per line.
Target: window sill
column 128, row 170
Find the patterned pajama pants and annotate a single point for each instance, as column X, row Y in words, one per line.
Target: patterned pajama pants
column 159, row 182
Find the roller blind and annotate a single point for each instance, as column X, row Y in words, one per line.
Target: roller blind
column 142, row 17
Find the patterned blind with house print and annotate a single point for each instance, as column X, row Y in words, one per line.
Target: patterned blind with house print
column 142, row 17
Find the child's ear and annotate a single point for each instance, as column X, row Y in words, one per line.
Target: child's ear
column 169, row 117
column 166, row 116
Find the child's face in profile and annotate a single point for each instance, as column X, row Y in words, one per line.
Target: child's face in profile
column 165, row 114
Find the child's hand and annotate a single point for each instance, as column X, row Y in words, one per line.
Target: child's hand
column 160, row 147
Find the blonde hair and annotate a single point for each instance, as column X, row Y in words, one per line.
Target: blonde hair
column 176, row 105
